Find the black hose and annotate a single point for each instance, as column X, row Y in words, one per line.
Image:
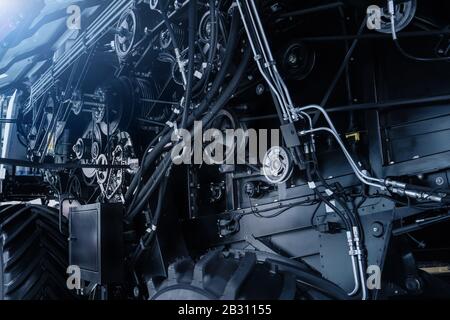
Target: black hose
column 147, row 238
column 161, row 196
column 418, row 59
column 190, row 76
column 169, row 27
column 302, row 273
column 348, row 225
column 135, row 183
column 149, row 187
column 343, row 205
column 353, row 218
column 212, row 48
column 149, row 158
column 154, row 180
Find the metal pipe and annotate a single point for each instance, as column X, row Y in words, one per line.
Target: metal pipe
column 360, row 263
column 272, row 66
column 272, row 61
column 266, row 57
column 354, row 265
column 258, row 62
column 361, row 176
column 336, row 134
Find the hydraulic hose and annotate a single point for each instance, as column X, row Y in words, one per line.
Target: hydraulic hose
column 175, row 43
column 348, row 225
column 150, row 187
column 306, row 277
column 154, row 180
column 161, row 196
column 191, row 55
column 149, row 235
column 212, row 48
column 149, row 158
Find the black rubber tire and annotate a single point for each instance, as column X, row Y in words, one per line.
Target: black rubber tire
column 33, row 254
column 225, row 276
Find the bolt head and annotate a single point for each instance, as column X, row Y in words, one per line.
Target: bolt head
column 260, row 89
column 377, row 229
column 292, row 59
column 440, row 181
column 136, row 292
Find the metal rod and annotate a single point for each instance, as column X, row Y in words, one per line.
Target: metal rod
column 342, row 68
column 312, row 10
column 389, row 104
column 376, row 36
column 8, row 120
column 159, row 101
column 29, row 164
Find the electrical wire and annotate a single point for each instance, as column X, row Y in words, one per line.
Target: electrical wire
column 257, row 213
